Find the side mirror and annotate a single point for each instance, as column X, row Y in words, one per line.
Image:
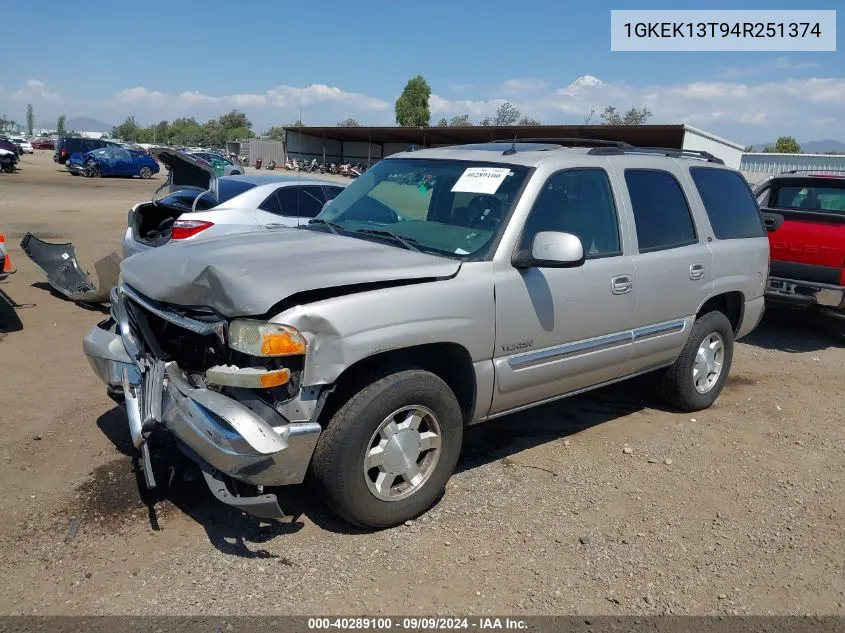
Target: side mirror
column 552, row 249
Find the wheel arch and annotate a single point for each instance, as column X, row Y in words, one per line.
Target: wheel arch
column 731, row 304
column 451, row 362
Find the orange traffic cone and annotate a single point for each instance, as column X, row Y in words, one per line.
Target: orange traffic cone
column 5, row 258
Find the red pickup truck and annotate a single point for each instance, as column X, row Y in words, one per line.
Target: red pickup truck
column 804, row 213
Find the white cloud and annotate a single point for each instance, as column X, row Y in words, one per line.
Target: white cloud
column 35, row 90
column 522, row 85
column 773, row 103
column 779, row 64
column 280, row 97
column 141, row 96
column 441, row 107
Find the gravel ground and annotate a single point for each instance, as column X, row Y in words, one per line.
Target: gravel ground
column 602, row 504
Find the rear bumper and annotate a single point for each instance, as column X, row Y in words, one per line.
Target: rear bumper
column 806, row 294
column 260, row 450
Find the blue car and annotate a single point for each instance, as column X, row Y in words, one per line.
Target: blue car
column 112, row 161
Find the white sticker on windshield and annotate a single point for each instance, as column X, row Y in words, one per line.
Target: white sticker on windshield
column 460, row 251
column 481, row 179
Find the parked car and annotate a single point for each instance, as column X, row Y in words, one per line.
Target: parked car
column 804, row 213
column 68, row 145
column 24, row 145
column 112, row 161
column 238, row 204
column 7, row 144
column 10, row 158
column 442, row 288
column 223, row 165
column 8, row 161
column 43, row 143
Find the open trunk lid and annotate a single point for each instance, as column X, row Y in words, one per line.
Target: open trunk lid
column 185, row 172
column 152, row 222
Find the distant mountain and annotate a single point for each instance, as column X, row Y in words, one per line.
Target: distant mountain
column 823, row 147
column 80, row 124
column 812, row 147
column 86, row 124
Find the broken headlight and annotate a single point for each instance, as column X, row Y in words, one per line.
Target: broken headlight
column 263, row 339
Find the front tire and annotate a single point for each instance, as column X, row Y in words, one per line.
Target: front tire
column 388, row 451
column 696, row 379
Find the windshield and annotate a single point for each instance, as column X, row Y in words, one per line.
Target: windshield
column 446, row 207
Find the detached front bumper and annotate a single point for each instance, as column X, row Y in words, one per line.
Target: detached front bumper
column 263, row 450
column 806, row 294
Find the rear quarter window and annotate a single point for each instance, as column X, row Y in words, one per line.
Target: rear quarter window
column 729, row 203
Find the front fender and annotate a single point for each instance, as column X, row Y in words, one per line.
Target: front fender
column 344, row 330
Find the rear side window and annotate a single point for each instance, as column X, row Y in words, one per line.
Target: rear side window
column 333, row 192
column 302, row 202
column 813, row 197
column 660, row 209
column 729, row 203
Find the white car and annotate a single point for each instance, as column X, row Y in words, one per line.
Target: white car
column 24, row 144
column 200, row 205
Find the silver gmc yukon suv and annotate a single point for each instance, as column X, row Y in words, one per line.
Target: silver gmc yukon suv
column 444, row 287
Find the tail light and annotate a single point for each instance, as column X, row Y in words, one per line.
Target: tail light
column 183, row 229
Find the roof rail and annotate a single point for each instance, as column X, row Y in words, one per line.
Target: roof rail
column 663, row 151
column 818, row 170
column 566, row 139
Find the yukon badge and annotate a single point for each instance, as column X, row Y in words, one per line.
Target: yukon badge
column 517, row 347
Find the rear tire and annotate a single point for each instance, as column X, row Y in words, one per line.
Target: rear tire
column 145, row 173
column 407, row 427
column 694, row 382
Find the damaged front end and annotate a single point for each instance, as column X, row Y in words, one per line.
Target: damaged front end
column 211, row 384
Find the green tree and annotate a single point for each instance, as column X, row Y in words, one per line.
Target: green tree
column 442, row 123
column 60, row 125
column 30, row 119
column 348, row 123
column 276, row 133
column 126, row 131
column 527, row 120
column 486, row 121
column 787, row 145
column 234, row 120
column 507, row 114
column 412, row 105
column 768, row 149
column 632, row 117
column 460, row 120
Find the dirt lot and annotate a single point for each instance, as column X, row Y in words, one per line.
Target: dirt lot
column 736, row 509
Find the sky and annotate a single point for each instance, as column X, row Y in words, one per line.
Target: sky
column 334, row 60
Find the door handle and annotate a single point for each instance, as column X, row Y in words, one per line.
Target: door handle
column 623, row 284
column 696, row 271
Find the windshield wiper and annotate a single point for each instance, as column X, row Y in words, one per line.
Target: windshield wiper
column 408, row 242
column 332, row 226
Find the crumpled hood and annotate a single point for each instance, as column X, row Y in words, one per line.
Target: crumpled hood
column 246, row 274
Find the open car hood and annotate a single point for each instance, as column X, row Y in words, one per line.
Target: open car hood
column 185, row 172
column 248, row 274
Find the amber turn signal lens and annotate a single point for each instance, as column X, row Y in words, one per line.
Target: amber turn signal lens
column 247, row 377
column 284, row 343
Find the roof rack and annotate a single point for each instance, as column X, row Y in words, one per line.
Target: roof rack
column 566, row 139
column 663, row 151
